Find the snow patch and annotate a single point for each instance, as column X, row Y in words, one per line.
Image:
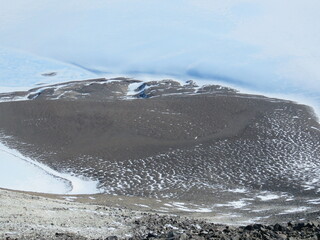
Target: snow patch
column 234, row 204
column 22, row 173
column 268, row 197
column 238, row 190
column 295, row 210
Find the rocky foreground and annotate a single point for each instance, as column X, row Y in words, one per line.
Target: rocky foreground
column 30, row 216
column 164, row 227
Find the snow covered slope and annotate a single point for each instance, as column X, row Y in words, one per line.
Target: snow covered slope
column 266, row 46
column 20, row 70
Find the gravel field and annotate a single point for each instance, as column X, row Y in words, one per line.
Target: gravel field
column 37, row 216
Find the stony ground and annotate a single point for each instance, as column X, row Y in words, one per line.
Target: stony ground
column 26, row 216
column 31, row 216
column 163, row 227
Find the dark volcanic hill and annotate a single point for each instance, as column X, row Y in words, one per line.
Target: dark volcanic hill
column 209, row 145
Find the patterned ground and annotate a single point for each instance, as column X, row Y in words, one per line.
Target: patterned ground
column 207, row 146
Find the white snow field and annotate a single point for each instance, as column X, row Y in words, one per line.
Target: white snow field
column 21, row 173
column 22, row 71
column 265, row 45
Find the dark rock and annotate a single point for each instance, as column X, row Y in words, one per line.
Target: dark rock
column 65, row 235
column 151, row 235
column 49, row 74
column 258, row 226
column 112, row 238
column 248, row 228
column 278, row 228
column 171, row 235
column 299, row 226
